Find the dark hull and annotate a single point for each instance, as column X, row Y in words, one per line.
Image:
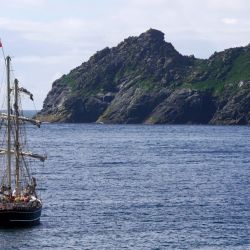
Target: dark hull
column 20, row 218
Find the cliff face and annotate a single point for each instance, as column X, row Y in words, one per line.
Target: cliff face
column 145, row 80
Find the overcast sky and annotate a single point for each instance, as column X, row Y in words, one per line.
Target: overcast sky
column 47, row 38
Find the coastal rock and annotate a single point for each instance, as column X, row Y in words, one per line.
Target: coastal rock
column 145, row 80
column 184, row 106
column 235, row 111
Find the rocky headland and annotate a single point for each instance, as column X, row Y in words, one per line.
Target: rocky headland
column 145, row 80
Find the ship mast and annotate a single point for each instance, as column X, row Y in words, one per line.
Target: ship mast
column 8, row 124
column 16, row 119
column 17, row 144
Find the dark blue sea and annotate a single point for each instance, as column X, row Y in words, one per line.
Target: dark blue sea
column 140, row 187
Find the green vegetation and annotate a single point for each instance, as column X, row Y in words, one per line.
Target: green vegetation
column 222, row 69
column 240, row 68
column 68, row 80
column 225, row 69
column 215, row 86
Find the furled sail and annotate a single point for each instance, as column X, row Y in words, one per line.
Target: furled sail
column 29, row 154
column 37, row 156
column 22, row 118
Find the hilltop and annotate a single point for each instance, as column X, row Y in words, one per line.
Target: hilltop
column 145, row 79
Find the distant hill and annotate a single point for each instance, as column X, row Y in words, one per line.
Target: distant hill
column 145, row 80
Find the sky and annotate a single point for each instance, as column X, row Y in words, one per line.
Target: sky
column 48, row 38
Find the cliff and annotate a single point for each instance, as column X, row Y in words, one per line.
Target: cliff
column 145, row 80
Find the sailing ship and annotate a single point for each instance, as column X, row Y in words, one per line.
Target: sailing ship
column 19, row 202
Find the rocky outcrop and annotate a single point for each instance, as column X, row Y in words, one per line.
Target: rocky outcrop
column 185, row 106
column 145, row 80
column 235, row 110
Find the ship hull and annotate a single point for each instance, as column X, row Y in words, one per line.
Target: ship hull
column 22, row 218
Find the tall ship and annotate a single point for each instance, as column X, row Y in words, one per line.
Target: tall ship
column 19, row 201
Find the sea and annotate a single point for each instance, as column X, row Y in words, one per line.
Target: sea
column 139, row 187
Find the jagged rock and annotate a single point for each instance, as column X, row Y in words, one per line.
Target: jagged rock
column 145, row 80
column 235, row 111
column 185, row 106
column 84, row 110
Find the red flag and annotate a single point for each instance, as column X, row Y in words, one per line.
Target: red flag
column 1, row 45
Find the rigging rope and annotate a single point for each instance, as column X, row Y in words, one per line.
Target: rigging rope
column 25, row 164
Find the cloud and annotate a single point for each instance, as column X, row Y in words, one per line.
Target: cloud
column 25, row 3
column 60, row 30
column 229, row 20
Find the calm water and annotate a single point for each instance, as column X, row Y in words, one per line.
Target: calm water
column 140, row 187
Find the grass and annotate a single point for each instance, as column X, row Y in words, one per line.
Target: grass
column 222, row 74
column 240, row 69
column 68, row 80
column 214, row 86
